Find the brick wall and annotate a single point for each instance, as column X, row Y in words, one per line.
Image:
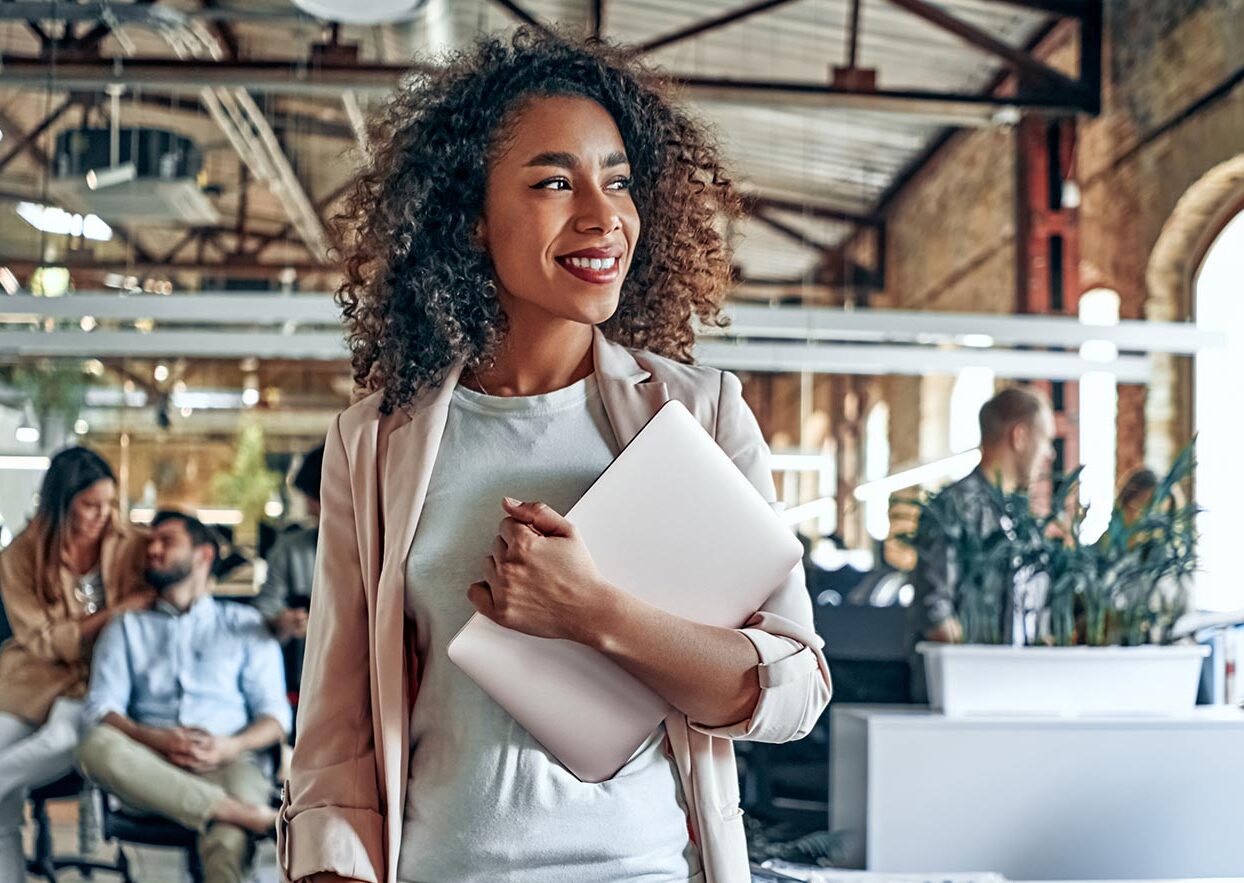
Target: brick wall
column 1170, row 114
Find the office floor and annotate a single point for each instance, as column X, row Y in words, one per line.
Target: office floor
column 146, row 865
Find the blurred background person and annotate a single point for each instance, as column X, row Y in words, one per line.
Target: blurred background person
column 182, row 697
column 1017, row 431
column 285, row 597
column 74, row 567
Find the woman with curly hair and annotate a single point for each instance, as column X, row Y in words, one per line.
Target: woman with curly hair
column 528, row 247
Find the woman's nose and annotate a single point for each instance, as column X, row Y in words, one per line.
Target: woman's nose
column 596, row 214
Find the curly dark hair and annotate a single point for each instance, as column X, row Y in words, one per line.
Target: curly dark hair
column 419, row 288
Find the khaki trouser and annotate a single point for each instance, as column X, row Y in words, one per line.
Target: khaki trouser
column 146, row 781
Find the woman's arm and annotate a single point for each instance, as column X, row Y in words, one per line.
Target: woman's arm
column 707, row 673
column 330, row 820
column 765, row 682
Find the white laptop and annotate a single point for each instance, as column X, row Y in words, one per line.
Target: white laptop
column 672, row 521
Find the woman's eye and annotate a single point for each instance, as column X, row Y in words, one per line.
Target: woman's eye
column 552, row 184
column 620, row 184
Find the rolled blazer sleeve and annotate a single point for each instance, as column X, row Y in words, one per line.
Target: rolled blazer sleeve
column 330, row 819
column 794, row 679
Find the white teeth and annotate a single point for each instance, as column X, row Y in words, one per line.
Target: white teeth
column 593, row 263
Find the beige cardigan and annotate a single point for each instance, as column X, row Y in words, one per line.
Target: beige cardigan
column 342, row 806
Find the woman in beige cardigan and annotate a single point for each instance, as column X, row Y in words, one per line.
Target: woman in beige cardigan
column 73, row 568
column 532, row 243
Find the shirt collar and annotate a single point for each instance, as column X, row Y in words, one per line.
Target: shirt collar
column 196, row 611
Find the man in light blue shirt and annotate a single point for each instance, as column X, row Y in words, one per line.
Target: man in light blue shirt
column 181, row 697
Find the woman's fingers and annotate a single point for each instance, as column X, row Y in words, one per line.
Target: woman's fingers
column 481, row 598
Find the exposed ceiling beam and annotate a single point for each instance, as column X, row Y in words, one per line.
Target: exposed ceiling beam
column 174, row 343
column 884, row 359
column 282, row 119
column 27, row 141
column 294, row 76
column 41, row 35
column 756, row 201
column 223, row 31
column 918, row 328
column 596, row 23
column 199, row 308
column 321, row 205
column 936, row 144
column 1063, row 8
column 243, row 123
column 230, row 267
column 710, row 24
column 95, row 35
column 821, row 248
column 10, row 126
column 1029, row 67
column 144, row 13
column 833, row 265
column 827, row 358
column 181, row 243
column 523, row 15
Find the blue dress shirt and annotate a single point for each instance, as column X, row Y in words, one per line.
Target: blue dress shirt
column 215, row 667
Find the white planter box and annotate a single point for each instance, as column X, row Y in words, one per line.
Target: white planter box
column 970, row 679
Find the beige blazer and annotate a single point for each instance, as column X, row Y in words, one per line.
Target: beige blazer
column 342, row 806
column 46, row 658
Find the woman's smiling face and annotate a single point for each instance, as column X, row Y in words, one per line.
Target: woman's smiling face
column 559, row 222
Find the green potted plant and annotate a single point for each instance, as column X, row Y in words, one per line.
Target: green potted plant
column 1090, row 640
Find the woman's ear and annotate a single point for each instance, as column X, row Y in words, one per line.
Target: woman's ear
column 480, row 234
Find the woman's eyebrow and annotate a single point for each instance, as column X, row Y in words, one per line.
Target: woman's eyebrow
column 559, row 158
column 566, row 160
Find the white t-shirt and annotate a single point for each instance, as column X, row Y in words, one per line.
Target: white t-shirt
column 486, row 803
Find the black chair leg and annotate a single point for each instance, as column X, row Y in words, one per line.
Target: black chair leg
column 42, row 863
column 123, row 865
column 194, row 864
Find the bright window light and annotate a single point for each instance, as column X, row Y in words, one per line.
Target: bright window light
column 1099, row 405
column 876, row 466
column 953, row 467
column 973, row 387
column 23, row 463
column 1103, row 351
column 1218, row 423
column 51, row 219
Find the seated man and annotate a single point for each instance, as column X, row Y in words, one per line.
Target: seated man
column 180, row 699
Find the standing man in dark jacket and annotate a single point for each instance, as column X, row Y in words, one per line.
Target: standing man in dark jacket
column 285, row 596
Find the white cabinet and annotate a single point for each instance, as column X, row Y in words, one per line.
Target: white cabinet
column 1041, row 798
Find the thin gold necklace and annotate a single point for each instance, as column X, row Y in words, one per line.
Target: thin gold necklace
column 477, row 382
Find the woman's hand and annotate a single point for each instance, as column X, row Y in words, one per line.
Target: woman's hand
column 143, row 599
column 540, row 578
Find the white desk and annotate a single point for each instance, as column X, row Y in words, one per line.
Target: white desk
column 1041, row 798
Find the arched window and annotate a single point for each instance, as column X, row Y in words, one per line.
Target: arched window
column 1099, row 406
column 1218, row 420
